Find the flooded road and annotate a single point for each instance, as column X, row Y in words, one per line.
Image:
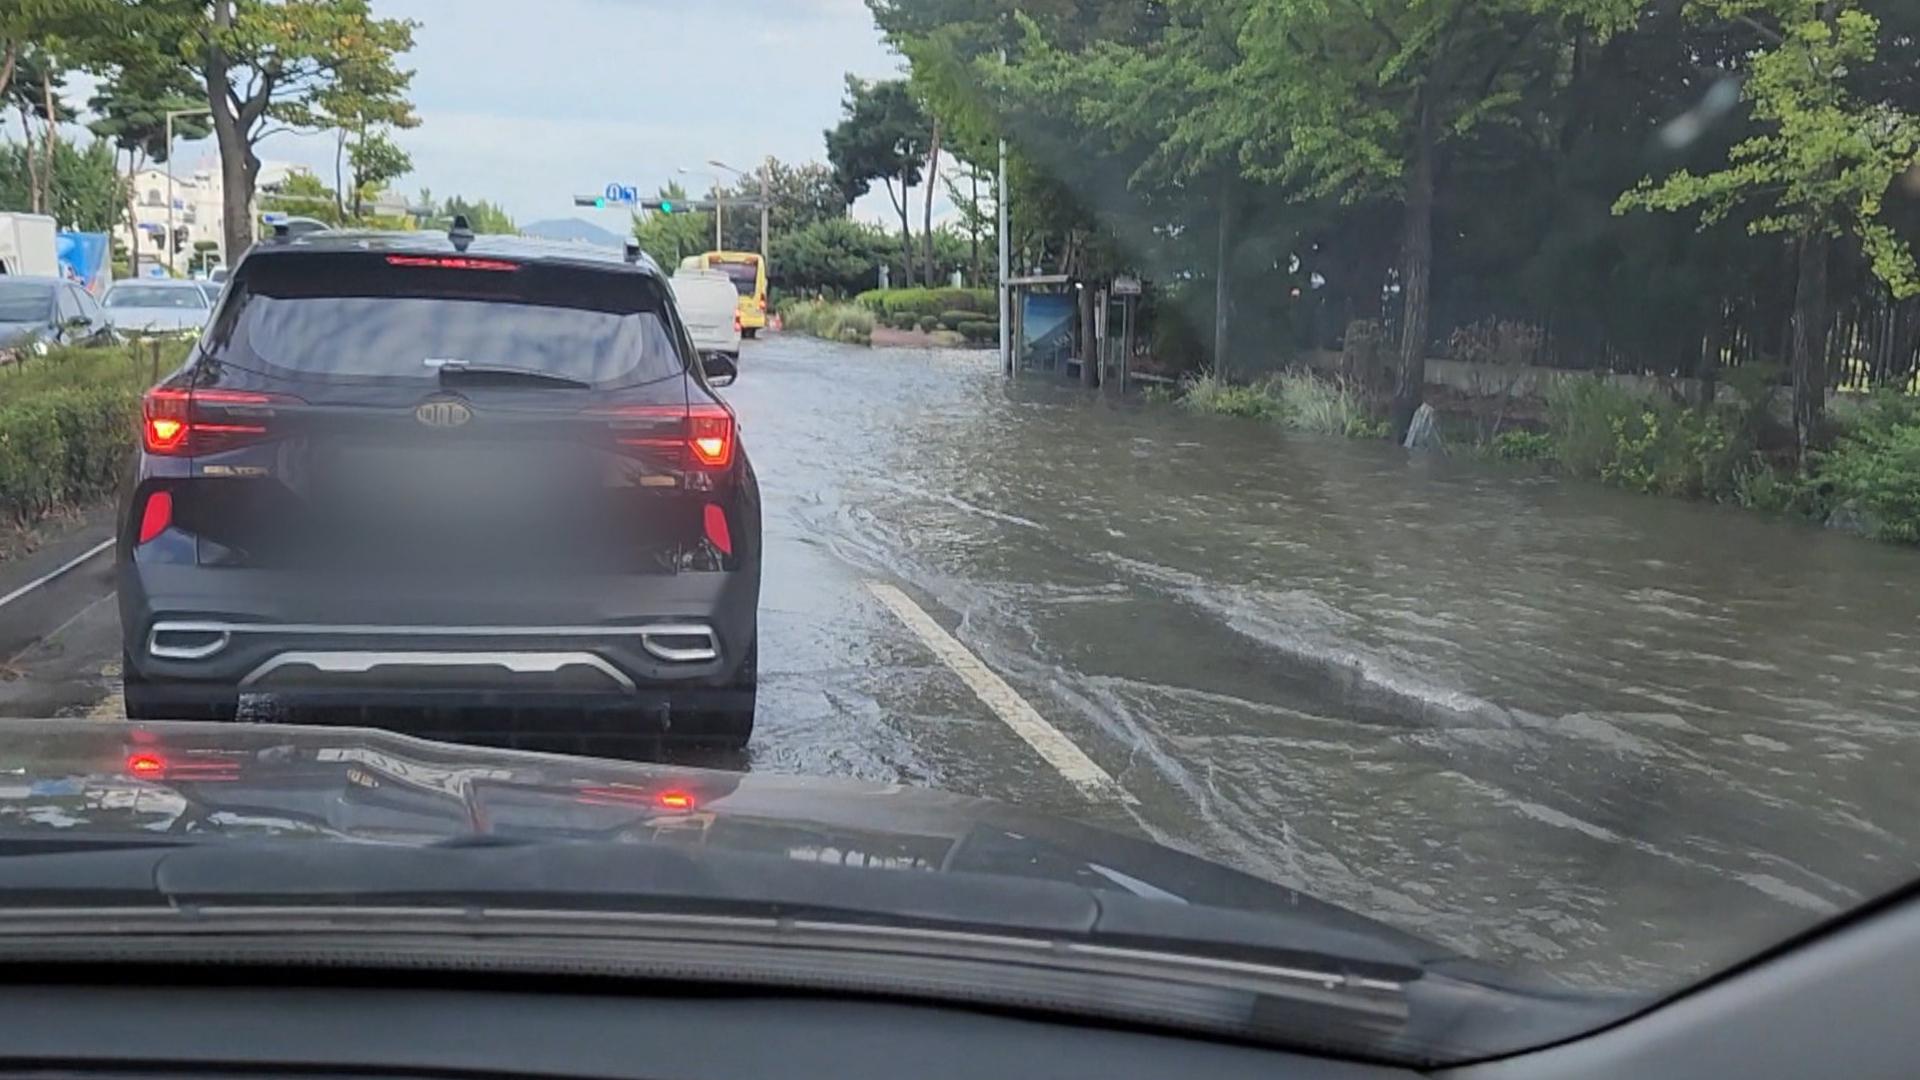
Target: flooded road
column 1612, row 739
column 1615, row 738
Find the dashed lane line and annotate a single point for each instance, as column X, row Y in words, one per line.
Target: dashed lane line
column 56, row 573
column 1005, row 702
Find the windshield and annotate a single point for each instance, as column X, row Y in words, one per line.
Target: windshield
column 25, row 302
column 183, row 298
column 1452, row 470
column 744, row 275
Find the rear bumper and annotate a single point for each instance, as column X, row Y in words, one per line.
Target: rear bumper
column 207, row 635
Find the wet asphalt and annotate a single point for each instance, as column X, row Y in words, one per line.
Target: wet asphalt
column 1614, row 740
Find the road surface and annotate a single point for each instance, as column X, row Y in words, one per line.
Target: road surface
column 1616, row 739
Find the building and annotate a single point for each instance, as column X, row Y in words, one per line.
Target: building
column 189, row 201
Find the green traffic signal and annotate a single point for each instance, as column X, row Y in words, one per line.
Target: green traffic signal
column 666, row 206
column 600, row 202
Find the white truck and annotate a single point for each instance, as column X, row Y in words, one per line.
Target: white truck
column 27, row 246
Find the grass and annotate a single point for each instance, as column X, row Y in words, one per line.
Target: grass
column 1295, row 400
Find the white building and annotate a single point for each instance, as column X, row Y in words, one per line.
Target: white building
column 186, row 200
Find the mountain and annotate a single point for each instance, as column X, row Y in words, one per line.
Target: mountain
column 572, row 229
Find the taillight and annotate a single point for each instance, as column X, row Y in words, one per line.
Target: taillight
column 762, row 301
column 179, row 422
column 696, row 436
column 710, row 435
column 736, row 322
column 156, row 515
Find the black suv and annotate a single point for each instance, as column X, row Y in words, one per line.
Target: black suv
column 482, row 475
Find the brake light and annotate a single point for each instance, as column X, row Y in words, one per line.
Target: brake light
column 450, row 262
column 675, row 800
column 718, row 534
column 710, row 435
column 156, row 515
column 736, row 322
column 146, row 764
column 176, row 421
column 762, row 301
column 700, row 436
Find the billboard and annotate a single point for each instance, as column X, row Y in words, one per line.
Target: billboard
column 1046, row 329
column 83, row 258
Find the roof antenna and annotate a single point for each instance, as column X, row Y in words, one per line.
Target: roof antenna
column 461, row 234
column 282, row 232
column 632, row 252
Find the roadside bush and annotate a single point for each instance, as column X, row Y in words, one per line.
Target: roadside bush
column 952, row 319
column 979, row 331
column 928, row 324
column 1518, row 444
column 1211, row 394
column 1321, row 406
column 1647, row 444
column 67, row 423
column 1873, row 471
column 975, row 300
column 834, row 322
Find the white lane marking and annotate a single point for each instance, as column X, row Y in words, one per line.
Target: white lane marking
column 58, row 572
column 1006, row 703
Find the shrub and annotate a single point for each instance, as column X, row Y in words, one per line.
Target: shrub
column 928, row 324
column 952, row 319
column 1655, row 445
column 873, row 300
column 1321, row 406
column 970, row 300
column 1518, row 444
column 977, row 331
column 834, row 322
column 1873, row 470
column 915, row 301
column 67, row 423
column 1211, row 394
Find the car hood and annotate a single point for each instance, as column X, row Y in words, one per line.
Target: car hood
column 286, row 782
column 133, row 318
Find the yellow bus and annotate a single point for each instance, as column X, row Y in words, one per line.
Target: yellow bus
column 749, row 278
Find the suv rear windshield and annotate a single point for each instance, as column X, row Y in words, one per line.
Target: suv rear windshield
column 361, row 316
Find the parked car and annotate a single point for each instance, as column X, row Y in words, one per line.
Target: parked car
column 39, row 312
column 157, row 307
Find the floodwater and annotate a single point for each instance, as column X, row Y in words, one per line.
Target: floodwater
column 1613, row 739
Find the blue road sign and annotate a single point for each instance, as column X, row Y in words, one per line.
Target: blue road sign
column 622, row 193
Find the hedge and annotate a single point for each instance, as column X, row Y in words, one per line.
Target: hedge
column 67, row 425
column 920, row 302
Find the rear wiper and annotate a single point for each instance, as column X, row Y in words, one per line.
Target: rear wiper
column 451, row 370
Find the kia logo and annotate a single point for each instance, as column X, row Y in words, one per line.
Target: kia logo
column 442, row 414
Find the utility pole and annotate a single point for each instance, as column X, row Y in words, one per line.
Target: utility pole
column 1006, row 266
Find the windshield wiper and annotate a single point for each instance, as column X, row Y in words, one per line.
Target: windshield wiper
column 455, row 370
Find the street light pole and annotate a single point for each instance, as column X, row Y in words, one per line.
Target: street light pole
column 719, row 203
column 766, row 202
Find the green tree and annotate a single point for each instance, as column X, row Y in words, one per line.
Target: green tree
column 1818, row 171
column 883, row 135
column 84, row 191
column 303, row 194
column 376, row 162
column 266, row 66
column 482, row 216
column 801, row 195
column 130, row 106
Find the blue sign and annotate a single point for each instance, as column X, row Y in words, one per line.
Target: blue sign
column 83, row 258
column 622, row 193
column 273, row 217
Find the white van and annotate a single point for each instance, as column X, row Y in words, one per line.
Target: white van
column 27, row 245
column 709, row 306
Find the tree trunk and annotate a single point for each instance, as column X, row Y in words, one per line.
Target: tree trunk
column 46, row 99
column 1410, row 380
column 239, row 167
column 933, row 184
column 1221, row 287
column 340, row 174
column 906, row 233
column 1809, row 360
column 133, row 220
column 973, row 223
column 35, row 203
column 8, row 54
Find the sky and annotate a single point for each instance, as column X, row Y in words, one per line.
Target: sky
column 530, row 102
